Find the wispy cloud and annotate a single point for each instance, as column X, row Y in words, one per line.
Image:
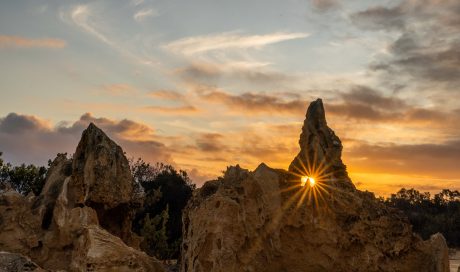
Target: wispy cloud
column 144, row 13
column 137, row 2
column 119, row 89
column 23, row 42
column 229, row 40
column 253, row 103
column 175, row 110
column 81, row 16
column 166, row 94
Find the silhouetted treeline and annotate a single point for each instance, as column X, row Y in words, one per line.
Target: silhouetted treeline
column 23, row 178
column 430, row 214
column 159, row 220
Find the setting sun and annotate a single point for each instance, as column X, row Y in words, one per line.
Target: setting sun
column 304, row 179
column 312, row 181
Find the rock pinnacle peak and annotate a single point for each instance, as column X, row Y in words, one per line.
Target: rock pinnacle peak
column 320, row 148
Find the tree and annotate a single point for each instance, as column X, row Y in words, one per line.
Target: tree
column 165, row 189
column 23, row 178
column 429, row 215
column 154, row 231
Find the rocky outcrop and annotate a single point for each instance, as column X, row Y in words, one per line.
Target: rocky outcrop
column 276, row 220
column 11, row 262
column 82, row 219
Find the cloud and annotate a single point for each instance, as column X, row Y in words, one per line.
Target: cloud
column 120, row 89
column 25, row 138
column 253, row 103
column 324, row 5
column 436, row 159
column 379, row 17
column 145, row 13
column 14, row 123
column 83, row 17
column 22, row 42
column 210, row 73
column 178, row 110
column 425, row 47
column 367, row 104
column 137, row 2
column 184, row 107
column 228, row 40
column 166, row 94
column 210, row 142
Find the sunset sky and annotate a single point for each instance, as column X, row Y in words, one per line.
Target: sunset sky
column 204, row 84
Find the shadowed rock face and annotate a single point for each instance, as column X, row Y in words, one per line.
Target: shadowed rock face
column 265, row 221
column 320, row 148
column 82, row 219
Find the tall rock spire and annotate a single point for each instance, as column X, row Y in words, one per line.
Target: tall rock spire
column 320, row 148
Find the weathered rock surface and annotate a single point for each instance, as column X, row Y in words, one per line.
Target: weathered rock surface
column 82, row 219
column 266, row 221
column 11, row 262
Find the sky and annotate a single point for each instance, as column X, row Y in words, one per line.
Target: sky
column 205, row 84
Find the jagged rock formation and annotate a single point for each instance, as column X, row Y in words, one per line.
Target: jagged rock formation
column 82, row 219
column 10, row 262
column 266, row 221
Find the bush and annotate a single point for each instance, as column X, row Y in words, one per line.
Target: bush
column 429, row 215
column 159, row 221
column 23, row 178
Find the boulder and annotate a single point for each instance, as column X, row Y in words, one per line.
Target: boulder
column 82, row 219
column 11, row 262
column 277, row 220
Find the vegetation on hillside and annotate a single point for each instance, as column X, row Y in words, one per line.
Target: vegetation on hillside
column 430, row 214
column 159, row 220
column 23, row 178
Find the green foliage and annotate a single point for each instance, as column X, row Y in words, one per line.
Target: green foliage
column 165, row 189
column 429, row 215
column 23, row 178
column 154, row 231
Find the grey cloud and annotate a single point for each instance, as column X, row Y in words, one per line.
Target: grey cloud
column 15, row 123
column 368, row 96
column 324, row 5
column 427, row 49
column 377, row 18
column 255, row 103
column 210, row 142
column 212, row 73
column 27, row 139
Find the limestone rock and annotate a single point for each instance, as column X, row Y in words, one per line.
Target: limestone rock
column 101, row 179
column 98, row 250
column 82, row 219
column 266, row 221
column 11, row 262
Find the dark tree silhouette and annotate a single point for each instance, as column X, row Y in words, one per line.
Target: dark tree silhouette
column 166, row 193
column 23, row 178
column 429, row 215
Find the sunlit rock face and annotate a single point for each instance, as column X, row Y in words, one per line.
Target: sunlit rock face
column 265, row 220
column 82, row 219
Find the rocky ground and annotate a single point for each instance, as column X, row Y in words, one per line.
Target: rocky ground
column 454, row 258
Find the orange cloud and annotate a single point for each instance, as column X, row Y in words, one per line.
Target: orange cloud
column 119, row 89
column 22, row 42
column 180, row 110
